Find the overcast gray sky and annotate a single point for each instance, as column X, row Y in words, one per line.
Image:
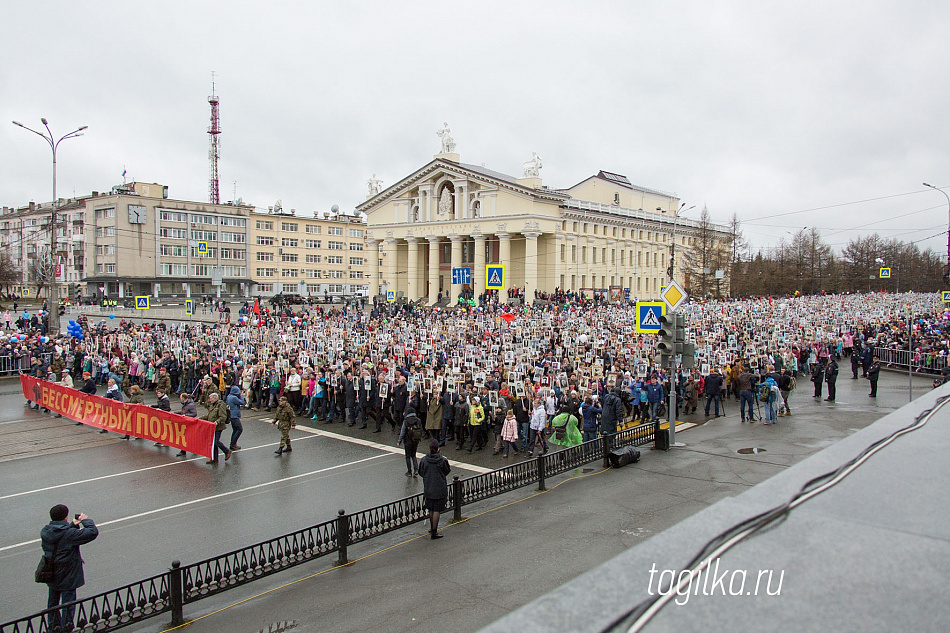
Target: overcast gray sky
column 754, row 108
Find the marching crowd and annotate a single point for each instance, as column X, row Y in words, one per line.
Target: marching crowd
column 492, row 377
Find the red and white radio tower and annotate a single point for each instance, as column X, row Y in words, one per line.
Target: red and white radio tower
column 214, row 152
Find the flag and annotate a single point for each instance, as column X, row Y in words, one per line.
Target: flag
column 257, row 307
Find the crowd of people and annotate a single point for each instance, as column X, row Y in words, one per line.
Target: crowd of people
column 489, row 377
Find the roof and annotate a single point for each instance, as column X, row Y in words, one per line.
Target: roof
column 489, row 172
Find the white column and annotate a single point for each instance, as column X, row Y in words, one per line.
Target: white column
column 454, row 292
column 557, row 266
column 479, row 273
column 373, row 247
column 412, row 272
column 504, row 257
column 391, row 263
column 530, row 264
column 433, row 269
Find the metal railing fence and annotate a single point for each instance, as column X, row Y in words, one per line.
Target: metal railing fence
column 181, row 585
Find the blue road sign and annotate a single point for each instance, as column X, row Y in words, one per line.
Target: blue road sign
column 648, row 315
column 495, row 276
column 141, row 303
column 189, row 306
column 461, row 276
column 946, row 296
column 391, row 296
column 202, row 248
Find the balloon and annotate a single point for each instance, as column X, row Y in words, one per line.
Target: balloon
column 14, row 339
column 72, row 322
column 22, row 337
column 111, row 316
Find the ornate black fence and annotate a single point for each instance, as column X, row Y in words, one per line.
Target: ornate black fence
column 169, row 592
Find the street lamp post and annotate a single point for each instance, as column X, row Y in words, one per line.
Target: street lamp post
column 947, row 274
column 54, row 145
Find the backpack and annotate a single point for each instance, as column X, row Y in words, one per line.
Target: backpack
column 765, row 392
column 413, row 430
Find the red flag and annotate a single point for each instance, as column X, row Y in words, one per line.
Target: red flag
column 257, row 307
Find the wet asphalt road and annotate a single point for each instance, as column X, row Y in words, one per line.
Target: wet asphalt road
column 154, row 508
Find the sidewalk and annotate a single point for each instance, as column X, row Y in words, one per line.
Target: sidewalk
column 522, row 545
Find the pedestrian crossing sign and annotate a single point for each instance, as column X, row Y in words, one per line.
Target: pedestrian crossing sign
column 946, row 296
column 391, row 296
column 495, row 276
column 648, row 316
column 885, row 273
column 189, row 306
column 202, row 248
column 141, row 303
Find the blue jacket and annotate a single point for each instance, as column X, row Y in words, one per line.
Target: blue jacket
column 67, row 537
column 235, row 402
column 590, row 412
column 655, row 393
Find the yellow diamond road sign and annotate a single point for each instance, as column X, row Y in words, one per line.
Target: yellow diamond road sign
column 673, row 295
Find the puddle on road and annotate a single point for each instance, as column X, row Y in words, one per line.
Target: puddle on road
column 750, row 451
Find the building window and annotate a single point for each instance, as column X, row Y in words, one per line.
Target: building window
column 312, row 273
column 616, row 197
column 238, row 222
column 356, row 246
column 170, row 250
column 335, row 230
column 233, row 271
column 289, row 257
column 173, row 234
column 356, row 274
column 314, row 229
column 335, row 274
column 204, row 219
column 335, row 288
column 105, row 231
column 312, row 243
column 264, row 225
column 334, row 259
column 335, row 246
column 173, row 216
column 265, row 241
column 313, row 259
column 175, row 270
column 109, row 249
column 288, row 272
column 356, row 261
column 563, row 249
column 313, row 288
column 573, row 253
column 265, row 288
column 201, row 270
column 102, row 214
column 266, row 272
column 603, row 255
column 264, row 256
column 356, row 232
column 288, row 242
column 290, row 227
column 233, row 238
column 211, row 254
column 289, row 287
column 583, row 254
column 233, row 253
column 204, row 236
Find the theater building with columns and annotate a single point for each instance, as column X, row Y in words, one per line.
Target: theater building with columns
column 602, row 234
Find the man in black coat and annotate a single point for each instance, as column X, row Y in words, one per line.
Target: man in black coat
column 855, row 362
column 874, row 371
column 818, row 377
column 713, row 390
column 349, row 399
column 612, row 413
column 61, row 540
column 831, row 377
column 400, row 400
column 434, row 468
column 448, row 417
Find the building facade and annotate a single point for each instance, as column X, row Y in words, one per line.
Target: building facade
column 602, row 234
column 321, row 256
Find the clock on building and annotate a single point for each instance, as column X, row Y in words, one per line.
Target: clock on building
column 136, row 214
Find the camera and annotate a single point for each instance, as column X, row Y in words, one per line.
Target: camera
column 76, row 516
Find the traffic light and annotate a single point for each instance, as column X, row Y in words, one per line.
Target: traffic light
column 666, row 346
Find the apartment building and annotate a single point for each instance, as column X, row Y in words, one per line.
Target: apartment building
column 318, row 256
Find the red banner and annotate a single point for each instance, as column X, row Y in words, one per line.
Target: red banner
column 139, row 420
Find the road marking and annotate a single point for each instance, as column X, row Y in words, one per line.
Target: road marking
column 127, row 472
column 396, row 450
column 211, row 498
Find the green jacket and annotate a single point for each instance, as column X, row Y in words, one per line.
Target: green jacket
column 218, row 413
column 285, row 417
